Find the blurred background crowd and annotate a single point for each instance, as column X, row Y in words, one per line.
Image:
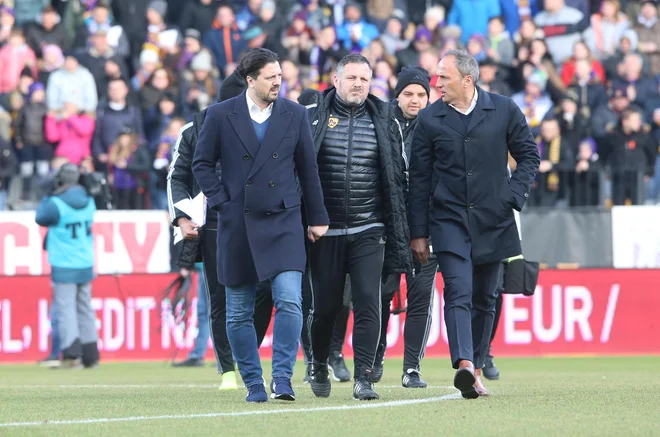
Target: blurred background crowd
column 108, row 84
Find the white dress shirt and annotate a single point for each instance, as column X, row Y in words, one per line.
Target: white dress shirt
column 256, row 113
column 472, row 105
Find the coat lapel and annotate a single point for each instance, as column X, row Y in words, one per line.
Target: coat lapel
column 278, row 123
column 484, row 103
column 242, row 122
column 451, row 118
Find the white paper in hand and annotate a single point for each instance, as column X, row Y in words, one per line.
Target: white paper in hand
column 178, row 236
column 194, row 208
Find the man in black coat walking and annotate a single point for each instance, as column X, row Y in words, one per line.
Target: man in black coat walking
column 458, row 171
column 265, row 150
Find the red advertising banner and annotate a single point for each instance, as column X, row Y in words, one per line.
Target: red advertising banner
column 572, row 312
column 124, row 242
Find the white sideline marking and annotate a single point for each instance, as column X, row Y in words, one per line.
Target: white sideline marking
column 140, row 386
column 361, row 406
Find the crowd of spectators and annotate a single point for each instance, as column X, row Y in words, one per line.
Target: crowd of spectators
column 108, row 84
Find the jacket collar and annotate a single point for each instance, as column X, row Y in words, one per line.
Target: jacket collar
column 375, row 106
column 453, row 119
column 484, row 102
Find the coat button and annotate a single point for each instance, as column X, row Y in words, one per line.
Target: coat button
column 246, row 211
column 246, row 157
column 526, row 194
column 470, row 173
column 271, row 184
column 268, row 211
column 248, row 183
column 275, row 155
column 471, row 206
column 467, row 139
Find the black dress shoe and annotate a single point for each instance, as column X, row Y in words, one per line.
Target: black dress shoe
column 464, row 381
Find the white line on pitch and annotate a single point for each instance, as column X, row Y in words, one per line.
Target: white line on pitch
column 158, row 386
column 236, row 414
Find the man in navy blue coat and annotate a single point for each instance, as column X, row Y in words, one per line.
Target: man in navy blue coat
column 461, row 195
column 266, row 153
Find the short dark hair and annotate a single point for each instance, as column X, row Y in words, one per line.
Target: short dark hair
column 353, row 58
column 119, row 79
column 630, row 111
column 254, row 60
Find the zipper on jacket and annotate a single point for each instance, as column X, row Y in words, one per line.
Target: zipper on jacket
column 349, row 154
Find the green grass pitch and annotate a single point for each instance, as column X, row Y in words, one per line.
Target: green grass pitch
column 535, row 397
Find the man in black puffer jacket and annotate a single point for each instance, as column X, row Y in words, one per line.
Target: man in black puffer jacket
column 361, row 165
column 181, row 185
column 411, row 96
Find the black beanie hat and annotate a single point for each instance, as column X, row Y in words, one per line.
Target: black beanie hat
column 413, row 75
column 308, row 96
column 233, row 86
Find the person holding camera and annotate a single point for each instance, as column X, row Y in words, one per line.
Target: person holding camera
column 68, row 213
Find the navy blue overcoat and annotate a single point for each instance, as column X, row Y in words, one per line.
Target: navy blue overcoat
column 463, row 171
column 257, row 198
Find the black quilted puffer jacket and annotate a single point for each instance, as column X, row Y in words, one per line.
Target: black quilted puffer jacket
column 392, row 184
column 349, row 166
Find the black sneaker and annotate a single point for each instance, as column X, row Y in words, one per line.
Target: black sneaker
column 307, row 379
column 489, row 370
column 377, row 372
column 338, row 368
column 320, row 380
column 363, row 389
column 190, row 362
column 412, row 379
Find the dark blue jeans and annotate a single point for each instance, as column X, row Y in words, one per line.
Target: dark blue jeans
column 287, row 298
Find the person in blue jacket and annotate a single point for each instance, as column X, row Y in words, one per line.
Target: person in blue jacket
column 69, row 214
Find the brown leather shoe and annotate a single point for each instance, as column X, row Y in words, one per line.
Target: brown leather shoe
column 478, row 384
column 464, row 380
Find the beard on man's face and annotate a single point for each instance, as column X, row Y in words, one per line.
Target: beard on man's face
column 267, row 96
column 354, row 96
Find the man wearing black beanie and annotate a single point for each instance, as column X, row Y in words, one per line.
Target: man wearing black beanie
column 411, row 96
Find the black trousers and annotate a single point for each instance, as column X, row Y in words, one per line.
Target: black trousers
column 331, row 258
column 420, row 291
column 218, row 304
column 470, row 295
column 341, row 322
